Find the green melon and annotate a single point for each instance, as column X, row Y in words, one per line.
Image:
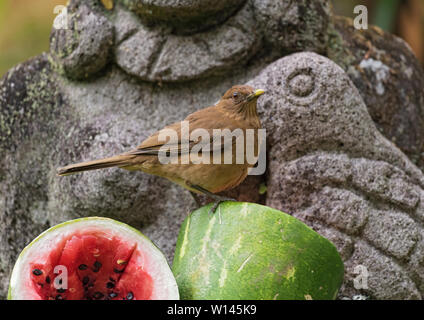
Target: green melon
column 250, row 251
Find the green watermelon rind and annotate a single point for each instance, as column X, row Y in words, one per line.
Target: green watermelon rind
column 88, row 219
column 250, row 251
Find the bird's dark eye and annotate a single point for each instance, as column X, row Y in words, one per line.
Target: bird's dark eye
column 235, row 95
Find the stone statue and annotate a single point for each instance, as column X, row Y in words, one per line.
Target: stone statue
column 331, row 168
column 115, row 75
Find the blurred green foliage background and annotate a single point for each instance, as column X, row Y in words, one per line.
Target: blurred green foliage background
column 24, row 29
column 25, row 24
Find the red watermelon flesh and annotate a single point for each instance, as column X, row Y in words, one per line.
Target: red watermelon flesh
column 97, row 267
column 100, row 265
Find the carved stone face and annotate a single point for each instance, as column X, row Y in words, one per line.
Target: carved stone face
column 184, row 14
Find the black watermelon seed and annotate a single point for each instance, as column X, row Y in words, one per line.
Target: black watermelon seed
column 60, row 281
column 130, row 295
column 37, row 272
column 97, row 265
column 48, row 279
column 61, row 290
column 82, row 267
column 111, row 279
column 110, row 285
column 85, row 280
column 117, row 270
column 113, row 295
column 59, row 297
column 98, row 295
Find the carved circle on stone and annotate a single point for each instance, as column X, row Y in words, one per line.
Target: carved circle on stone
column 302, row 86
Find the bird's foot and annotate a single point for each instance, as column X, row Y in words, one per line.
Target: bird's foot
column 217, row 199
column 196, row 199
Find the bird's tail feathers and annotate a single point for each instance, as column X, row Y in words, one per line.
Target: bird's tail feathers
column 116, row 161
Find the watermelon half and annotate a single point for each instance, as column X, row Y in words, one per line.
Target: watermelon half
column 249, row 251
column 92, row 259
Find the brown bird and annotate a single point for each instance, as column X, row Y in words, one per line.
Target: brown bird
column 235, row 111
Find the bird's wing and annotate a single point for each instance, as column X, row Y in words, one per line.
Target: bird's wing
column 207, row 119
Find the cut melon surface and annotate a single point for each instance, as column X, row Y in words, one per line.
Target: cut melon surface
column 92, row 259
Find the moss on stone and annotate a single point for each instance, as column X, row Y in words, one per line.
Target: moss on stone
column 337, row 50
column 29, row 95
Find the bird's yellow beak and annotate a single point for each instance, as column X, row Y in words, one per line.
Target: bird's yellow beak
column 259, row 92
column 255, row 94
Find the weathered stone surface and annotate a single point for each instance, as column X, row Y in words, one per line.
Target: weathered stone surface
column 155, row 54
column 170, row 56
column 388, row 280
column 83, row 47
column 331, row 168
column 31, row 107
column 184, row 14
column 137, row 54
column 126, row 24
column 294, row 25
column 389, row 78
